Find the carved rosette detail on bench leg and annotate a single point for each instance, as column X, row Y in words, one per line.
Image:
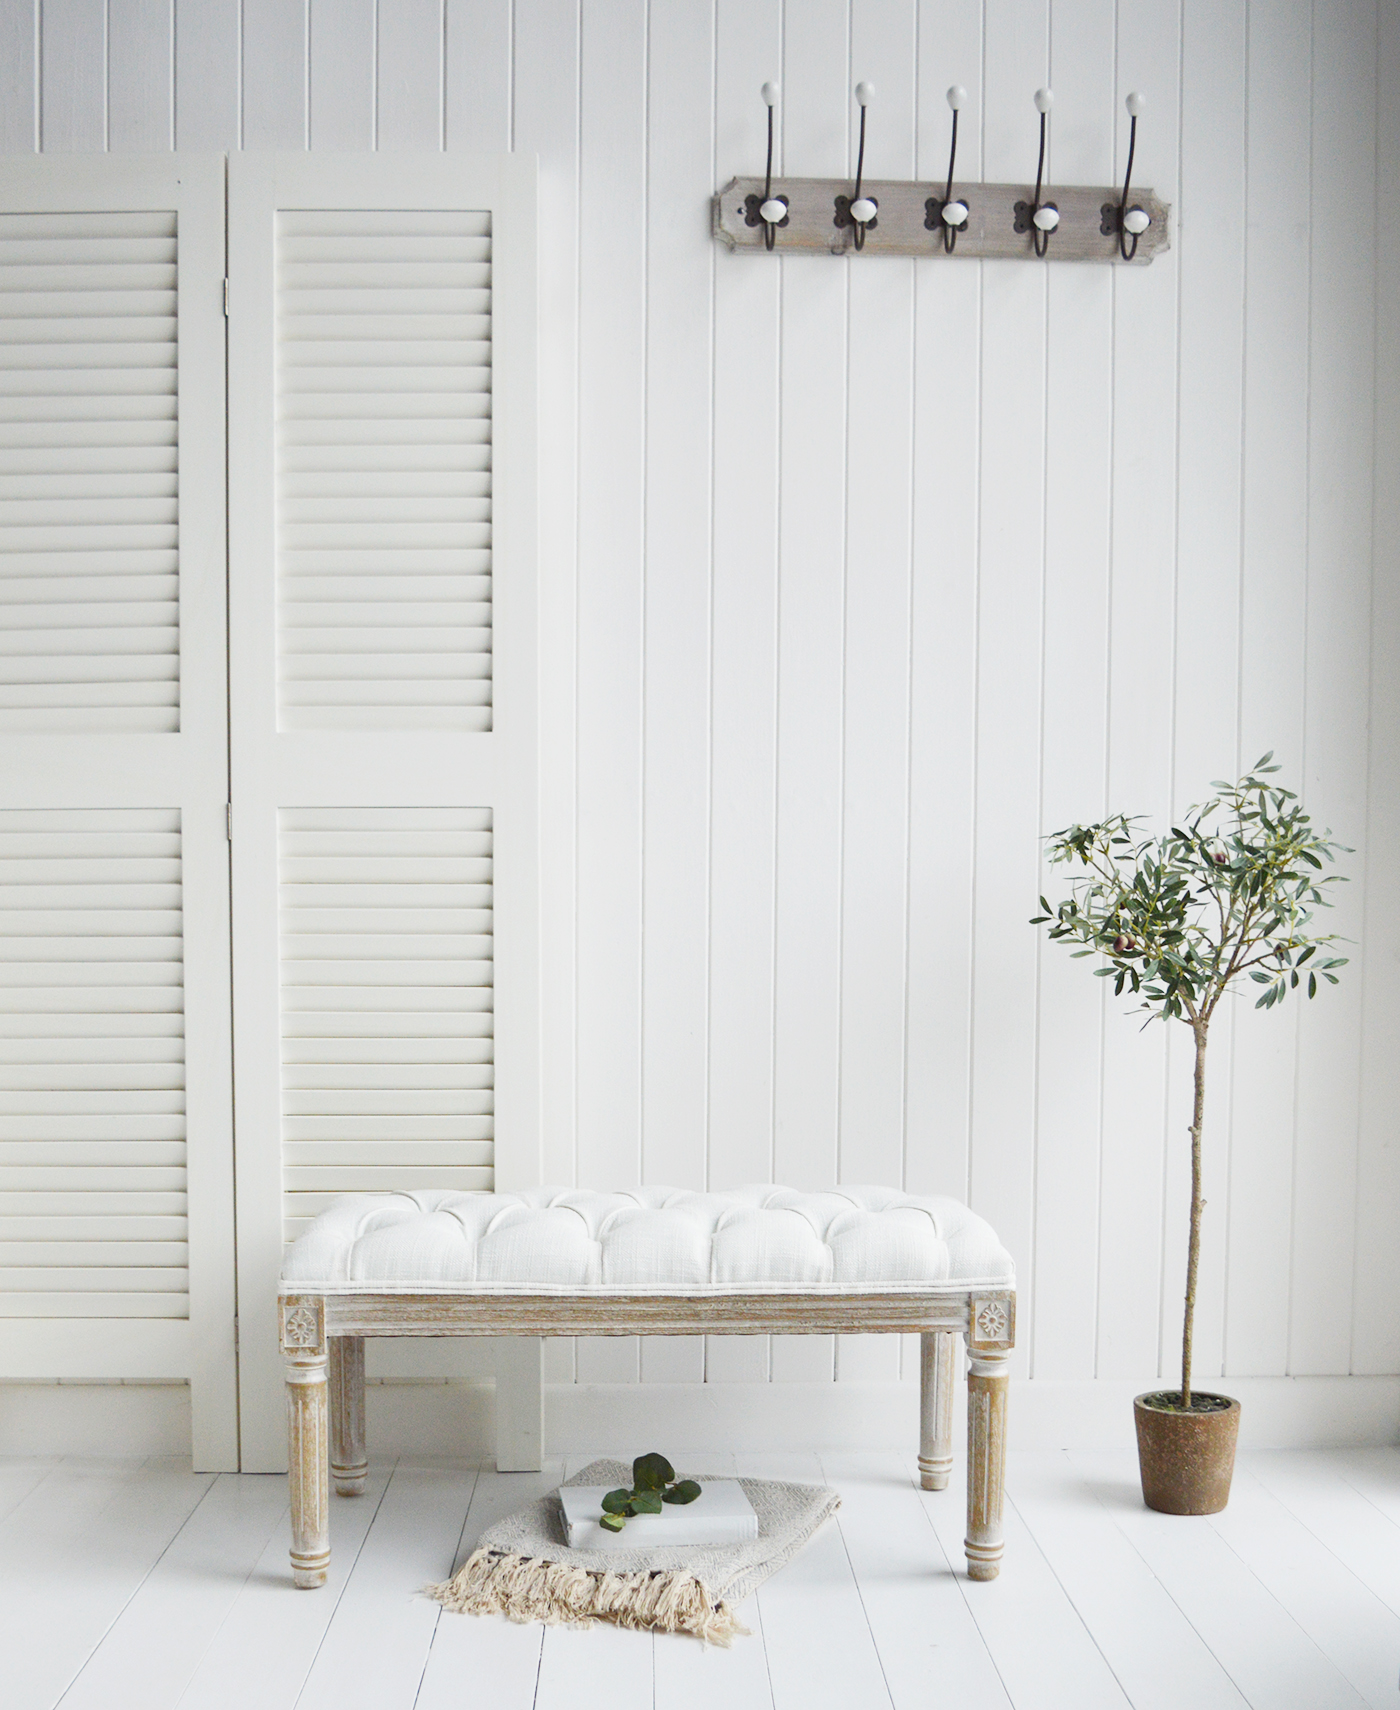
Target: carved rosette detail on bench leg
column 306, row 1363
column 349, row 1465
column 991, row 1334
column 937, row 1352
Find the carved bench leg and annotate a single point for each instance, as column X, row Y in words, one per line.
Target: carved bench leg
column 987, row 1381
column 347, row 1384
column 305, row 1366
column 936, row 1351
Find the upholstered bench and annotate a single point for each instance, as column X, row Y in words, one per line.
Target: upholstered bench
column 653, row 1262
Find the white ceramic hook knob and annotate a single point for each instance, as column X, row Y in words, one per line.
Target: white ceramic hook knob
column 769, row 92
column 1044, row 100
column 864, row 210
column 956, row 96
column 955, row 214
column 1136, row 221
column 1135, row 103
column 865, row 93
column 774, row 211
column 1046, row 218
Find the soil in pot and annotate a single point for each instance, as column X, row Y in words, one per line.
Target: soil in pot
column 1186, row 1458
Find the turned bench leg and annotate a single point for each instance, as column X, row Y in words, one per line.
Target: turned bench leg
column 987, row 1380
column 936, row 1351
column 305, row 1365
column 349, row 1466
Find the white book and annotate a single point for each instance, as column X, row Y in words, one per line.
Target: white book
column 721, row 1514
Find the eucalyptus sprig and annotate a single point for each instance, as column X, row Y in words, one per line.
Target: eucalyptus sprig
column 653, row 1482
column 1182, row 919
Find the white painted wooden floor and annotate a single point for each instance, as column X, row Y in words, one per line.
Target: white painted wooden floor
column 128, row 1584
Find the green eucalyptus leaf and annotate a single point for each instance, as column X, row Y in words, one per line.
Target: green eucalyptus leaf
column 615, row 1502
column 652, row 1472
column 686, row 1491
column 613, row 1522
column 646, row 1502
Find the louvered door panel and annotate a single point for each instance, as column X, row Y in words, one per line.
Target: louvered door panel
column 387, row 969
column 384, row 470
column 92, row 1065
column 89, row 608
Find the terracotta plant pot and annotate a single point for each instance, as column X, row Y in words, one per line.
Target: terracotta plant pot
column 1186, row 1459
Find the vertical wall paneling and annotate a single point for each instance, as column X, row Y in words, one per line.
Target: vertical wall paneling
column 1011, row 554
column 478, row 70
column 113, row 780
column 1273, row 606
column 274, row 73
column 1141, row 645
column 1375, row 1331
column 140, row 75
column 1074, row 704
column 19, row 76
column 875, row 761
column 676, row 703
column 810, row 332
column 340, row 54
column 943, row 636
column 208, row 63
column 409, row 44
column 1341, row 363
column 1210, row 378
column 612, row 370
column 745, row 603
column 73, row 76
column 378, row 829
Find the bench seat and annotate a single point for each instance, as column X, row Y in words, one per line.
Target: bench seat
column 650, row 1261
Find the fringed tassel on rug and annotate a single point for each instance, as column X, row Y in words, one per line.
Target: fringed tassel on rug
column 527, row 1588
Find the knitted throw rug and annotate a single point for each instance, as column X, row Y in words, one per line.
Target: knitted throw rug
column 523, row 1569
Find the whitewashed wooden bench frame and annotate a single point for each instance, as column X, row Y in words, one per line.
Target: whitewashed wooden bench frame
column 323, row 1348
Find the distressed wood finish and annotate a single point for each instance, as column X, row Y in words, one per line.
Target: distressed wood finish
column 377, row 1314
column 987, row 1379
column 306, row 1362
column 936, row 1350
column 899, row 229
column 349, row 1467
column 322, row 1333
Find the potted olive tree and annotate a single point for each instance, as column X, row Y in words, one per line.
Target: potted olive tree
column 1224, row 898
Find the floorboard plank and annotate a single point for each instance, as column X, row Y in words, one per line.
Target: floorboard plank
column 1159, row 1659
column 1273, row 1662
column 18, row 1478
column 1340, row 1613
column 265, row 1646
column 918, row 1614
column 378, row 1640
column 815, row 1633
column 154, row 1647
column 1356, row 1517
column 1047, row 1658
column 485, row 1656
column 72, row 1556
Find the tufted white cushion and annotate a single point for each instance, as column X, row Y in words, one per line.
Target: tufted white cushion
column 651, row 1240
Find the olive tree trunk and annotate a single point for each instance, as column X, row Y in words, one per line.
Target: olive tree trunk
column 1193, row 1257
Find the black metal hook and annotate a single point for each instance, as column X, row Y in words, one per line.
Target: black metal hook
column 767, row 210
column 859, row 211
column 1127, row 222
column 1037, row 217
column 947, row 214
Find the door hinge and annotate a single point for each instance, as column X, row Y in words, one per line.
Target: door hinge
column 228, row 821
column 225, row 299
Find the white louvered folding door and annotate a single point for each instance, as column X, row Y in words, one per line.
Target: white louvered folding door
column 382, row 394
column 116, row 1248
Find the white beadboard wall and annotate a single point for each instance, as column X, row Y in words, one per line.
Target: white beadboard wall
column 861, row 576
